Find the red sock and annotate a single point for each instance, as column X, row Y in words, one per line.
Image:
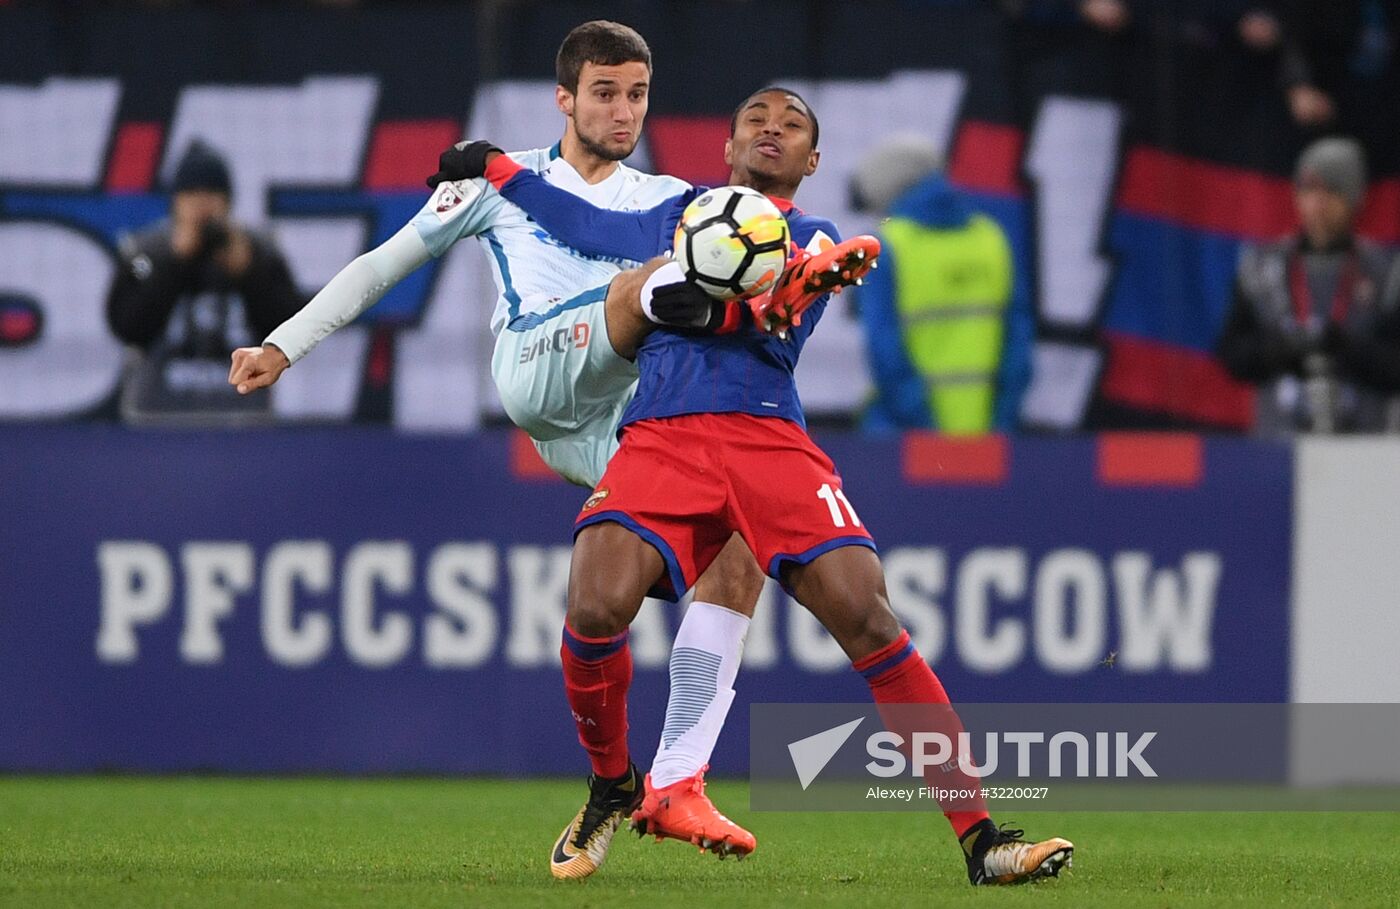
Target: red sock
column 898, row 675
column 597, row 673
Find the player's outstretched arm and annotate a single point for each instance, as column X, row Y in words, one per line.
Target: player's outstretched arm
column 591, row 230
column 356, row 288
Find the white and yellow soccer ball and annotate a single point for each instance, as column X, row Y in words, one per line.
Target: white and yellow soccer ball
column 732, row 241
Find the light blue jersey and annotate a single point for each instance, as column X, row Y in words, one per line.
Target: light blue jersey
column 535, row 274
column 557, row 373
column 558, row 377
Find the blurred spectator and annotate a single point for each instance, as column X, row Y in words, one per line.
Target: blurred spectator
column 1108, row 16
column 1316, row 316
column 1256, row 25
column 187, row 292
column 1340, row 61
column 1259, row 29
column 945, row 349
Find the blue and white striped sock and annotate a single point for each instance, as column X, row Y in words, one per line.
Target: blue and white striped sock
column 704, row 663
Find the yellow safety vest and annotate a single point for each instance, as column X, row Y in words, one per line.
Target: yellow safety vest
column 951, row 290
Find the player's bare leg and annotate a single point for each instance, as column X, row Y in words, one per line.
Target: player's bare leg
column 612, row 571
column 704, row 662
column 845, row 590
column 628, row 326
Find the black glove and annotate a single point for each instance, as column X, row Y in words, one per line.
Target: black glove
column 685, row 306
column 463, row 161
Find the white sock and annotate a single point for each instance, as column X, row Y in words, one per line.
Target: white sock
column 704, row 663
column 670, row 273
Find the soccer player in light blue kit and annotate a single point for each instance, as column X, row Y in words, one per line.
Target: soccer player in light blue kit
column 567, row 326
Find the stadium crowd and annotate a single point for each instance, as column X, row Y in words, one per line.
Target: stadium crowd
column 1314, row 320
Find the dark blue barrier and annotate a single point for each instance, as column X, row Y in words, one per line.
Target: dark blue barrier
column 355, row 600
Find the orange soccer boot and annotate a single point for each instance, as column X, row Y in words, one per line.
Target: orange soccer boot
column 808, row 276
column 682, row 811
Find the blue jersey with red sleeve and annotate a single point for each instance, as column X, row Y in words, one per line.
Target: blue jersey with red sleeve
column 745, row 371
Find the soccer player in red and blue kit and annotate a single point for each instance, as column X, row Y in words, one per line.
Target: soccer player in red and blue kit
column 714, row 443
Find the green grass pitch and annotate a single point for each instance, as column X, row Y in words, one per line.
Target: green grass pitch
column 103, row 841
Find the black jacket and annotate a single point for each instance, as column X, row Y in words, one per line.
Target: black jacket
column 151, row 284
column 1264, row 343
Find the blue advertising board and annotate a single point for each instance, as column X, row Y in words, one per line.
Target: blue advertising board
column 354, row 600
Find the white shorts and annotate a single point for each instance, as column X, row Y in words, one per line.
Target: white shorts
column 561, row 381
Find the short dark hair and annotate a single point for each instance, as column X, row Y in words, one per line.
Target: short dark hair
column 602, row 43
column 811, row 114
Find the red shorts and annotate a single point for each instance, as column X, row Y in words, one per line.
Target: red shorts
column 687, row 484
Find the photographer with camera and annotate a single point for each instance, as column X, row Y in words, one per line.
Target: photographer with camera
column 186, row 293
